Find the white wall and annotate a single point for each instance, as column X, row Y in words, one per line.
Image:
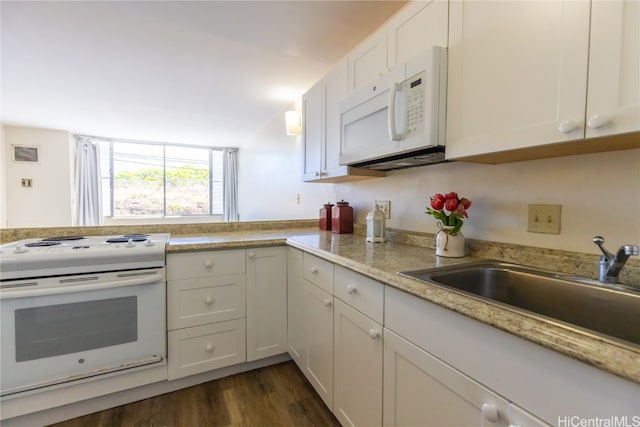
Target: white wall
column 599, row 194
column 3, row 179
column 49, row 202
column 270, row 178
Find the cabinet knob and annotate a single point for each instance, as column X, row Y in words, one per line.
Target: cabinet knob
column 567, row 126
column 490, row 412
column 596, row 121
column 314, row 270
column 208, row 263
column 351, row 289
column 251, row 255
column 209, row 348
column 327, row 302
column 208, row 300
column 374, row 333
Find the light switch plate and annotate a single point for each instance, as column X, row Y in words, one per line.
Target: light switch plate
column 544, row 219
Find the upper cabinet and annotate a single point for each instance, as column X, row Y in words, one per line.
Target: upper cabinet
column 368, row 61
column 321, row 131
column 521, row 74
column 417, row 26
column 613, row 94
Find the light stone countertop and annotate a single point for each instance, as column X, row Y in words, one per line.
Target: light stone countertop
column 382, row 261
column 234, row 239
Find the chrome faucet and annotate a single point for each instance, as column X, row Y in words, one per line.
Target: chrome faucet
column 610, row 264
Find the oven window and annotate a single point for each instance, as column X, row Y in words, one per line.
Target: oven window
column 69, row 328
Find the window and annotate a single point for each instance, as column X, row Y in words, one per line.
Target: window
column 160, row 180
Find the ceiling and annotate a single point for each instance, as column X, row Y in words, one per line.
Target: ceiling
column 212, row 72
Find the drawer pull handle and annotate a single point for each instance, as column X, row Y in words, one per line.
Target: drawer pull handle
column 208, row 263
column 314, row 270
column 327, row 302
column 351, row 289
column 209, row 348
column 374, row 334
column 490, row 412
column 208, row 300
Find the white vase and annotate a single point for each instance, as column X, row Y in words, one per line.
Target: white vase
column 449, row 245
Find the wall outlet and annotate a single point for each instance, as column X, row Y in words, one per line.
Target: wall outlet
column 544, row 219
column 384, row 206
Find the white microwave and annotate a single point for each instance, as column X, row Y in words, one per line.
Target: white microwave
column 398, row 120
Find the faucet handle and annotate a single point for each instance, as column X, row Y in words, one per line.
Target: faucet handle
column 599, row 240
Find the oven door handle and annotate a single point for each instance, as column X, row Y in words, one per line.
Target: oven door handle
column 58, row 290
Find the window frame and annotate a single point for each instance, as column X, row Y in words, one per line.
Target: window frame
column 210, row 156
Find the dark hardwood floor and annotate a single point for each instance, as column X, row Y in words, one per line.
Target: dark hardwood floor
column 277, row 395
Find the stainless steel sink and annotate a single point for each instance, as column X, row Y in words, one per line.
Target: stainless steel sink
column 612, row 312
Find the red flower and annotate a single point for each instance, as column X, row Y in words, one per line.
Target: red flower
column 451, row 204
column 437, row 201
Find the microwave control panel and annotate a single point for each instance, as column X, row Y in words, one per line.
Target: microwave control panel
column 415, row 103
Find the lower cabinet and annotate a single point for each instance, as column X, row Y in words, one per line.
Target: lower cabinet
column 357, row 378
column 205, row 348
column 225, row 307
column 421, row 390
column 295, row 307
column 318, row 330
column 266, row 302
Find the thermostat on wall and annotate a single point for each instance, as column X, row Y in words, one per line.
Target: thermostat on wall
column 26, row 153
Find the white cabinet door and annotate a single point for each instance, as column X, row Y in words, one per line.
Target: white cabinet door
column 368, row 61
column 312, row 132
column 420, row 390
column 335, row 90
column 318, row 308
column 517, row 74
column 295, row 307
column 266, row 302
column 419, row 25
column 613, row 96
column 357, row 379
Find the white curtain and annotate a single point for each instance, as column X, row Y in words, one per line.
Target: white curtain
column 87, row 182
column 230, row 171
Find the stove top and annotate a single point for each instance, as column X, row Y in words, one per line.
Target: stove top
column 81, row 254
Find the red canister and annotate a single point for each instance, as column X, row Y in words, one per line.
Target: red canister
column 325, row 216
column 342, row 218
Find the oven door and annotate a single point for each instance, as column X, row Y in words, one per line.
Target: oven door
column 57, row 330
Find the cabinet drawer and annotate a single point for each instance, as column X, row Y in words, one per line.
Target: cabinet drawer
column 193, row 302
column 204, row 348
column 319, row 272
column 205, row 264
column 362, row 293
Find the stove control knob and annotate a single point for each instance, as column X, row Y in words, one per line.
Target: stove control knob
column 20, row 249
column 130, row 243
column 149, row 243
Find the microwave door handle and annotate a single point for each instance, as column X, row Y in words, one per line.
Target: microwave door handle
column 393, row 131
column 138, row 281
